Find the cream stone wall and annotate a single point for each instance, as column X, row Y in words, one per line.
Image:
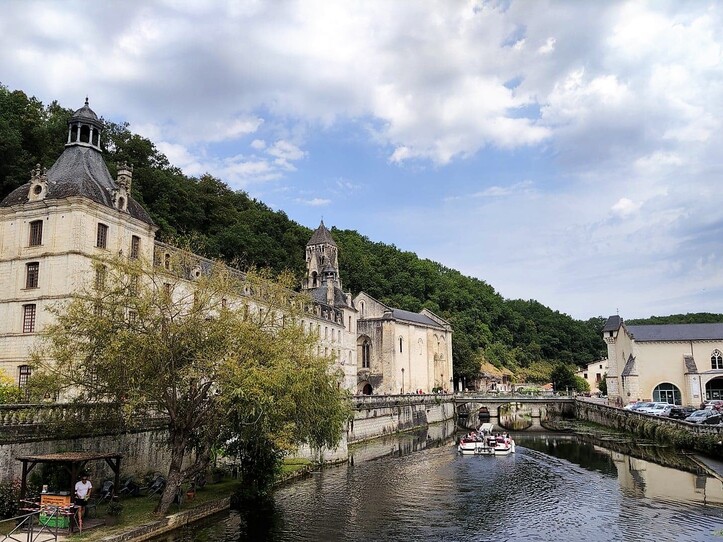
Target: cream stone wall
column 599, row 367
column 64, row 259
column 656, row 363
column 406, row 356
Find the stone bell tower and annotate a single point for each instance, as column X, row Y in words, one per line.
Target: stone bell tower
column 322, row 261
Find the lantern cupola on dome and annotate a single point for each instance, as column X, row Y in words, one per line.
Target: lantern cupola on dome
column 84, row 128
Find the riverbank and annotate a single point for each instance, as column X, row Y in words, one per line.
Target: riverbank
column 138, row 523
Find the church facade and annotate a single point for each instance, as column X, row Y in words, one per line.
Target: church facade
column 675, row 363
column 53, row 228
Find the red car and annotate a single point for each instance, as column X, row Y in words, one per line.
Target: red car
column 715, row 404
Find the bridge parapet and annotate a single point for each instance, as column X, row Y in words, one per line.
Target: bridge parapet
column 379, row 401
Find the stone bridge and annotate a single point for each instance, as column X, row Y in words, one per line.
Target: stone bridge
column 512, row 412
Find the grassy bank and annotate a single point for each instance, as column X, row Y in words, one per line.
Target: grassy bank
column 138, row 511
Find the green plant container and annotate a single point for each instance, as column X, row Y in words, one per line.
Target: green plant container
column 60, row 522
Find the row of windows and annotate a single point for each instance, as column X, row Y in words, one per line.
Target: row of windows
column 335, row 334
column 101, row 238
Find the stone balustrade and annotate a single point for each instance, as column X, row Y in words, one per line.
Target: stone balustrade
column 24, row 421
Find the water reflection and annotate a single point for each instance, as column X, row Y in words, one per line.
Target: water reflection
column 554, row 488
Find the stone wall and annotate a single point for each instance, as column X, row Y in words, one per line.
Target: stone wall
column 42, row 429
column 378, row 416
column 142, row 451
column 707, row 439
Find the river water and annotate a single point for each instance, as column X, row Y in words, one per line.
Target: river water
column 415, row 487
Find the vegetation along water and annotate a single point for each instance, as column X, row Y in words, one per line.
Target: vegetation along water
column 555, row 487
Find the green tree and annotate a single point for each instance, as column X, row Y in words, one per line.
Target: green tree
column 9, row 391
column 202, row 354
column 563, row 377
column 581, row 385
column 603, row 385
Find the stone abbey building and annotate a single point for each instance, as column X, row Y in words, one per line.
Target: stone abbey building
column 674, row 363
column 53, row 227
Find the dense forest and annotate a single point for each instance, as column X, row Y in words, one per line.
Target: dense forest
column 522, row 335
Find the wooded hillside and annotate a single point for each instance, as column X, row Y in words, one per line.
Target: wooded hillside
column 524, row 336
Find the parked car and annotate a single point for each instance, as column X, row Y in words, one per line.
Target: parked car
column 680, row 412
column 658, row 409
column 707, row 416
column 638, row 405
column 715, row 404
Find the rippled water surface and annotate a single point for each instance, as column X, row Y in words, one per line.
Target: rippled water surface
column 553, row 489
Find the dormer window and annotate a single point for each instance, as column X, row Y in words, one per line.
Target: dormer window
column 38, row 184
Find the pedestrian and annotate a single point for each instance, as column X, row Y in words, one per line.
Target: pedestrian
column 83, row 489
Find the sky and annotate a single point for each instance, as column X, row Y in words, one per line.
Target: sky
column 568, row 152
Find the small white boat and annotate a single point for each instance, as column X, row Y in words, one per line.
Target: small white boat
column 475, row 444
column 504, row 445
column 483, row 442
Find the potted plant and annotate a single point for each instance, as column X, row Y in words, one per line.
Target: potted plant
column 114, row 510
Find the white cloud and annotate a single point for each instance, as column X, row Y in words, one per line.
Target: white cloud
column 624, row 207
column 548, row 48
column 314, row 202
column 610, row 110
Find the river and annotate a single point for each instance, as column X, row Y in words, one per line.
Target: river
column 554, row 488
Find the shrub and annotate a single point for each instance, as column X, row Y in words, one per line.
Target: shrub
column 9, row 496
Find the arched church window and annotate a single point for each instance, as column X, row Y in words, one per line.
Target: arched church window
column 716, row 359
column 401, row 344
column 85, row 134
column 313, row 280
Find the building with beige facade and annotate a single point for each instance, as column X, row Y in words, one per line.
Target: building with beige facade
column 593, row 373
column 53, row 229
column 401, row 351
column 675, row 363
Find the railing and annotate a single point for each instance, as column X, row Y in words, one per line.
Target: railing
column 72, row 418
column 371, row 401
column 29, row 527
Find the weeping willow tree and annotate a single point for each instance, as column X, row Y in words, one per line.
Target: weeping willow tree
column 223, row 355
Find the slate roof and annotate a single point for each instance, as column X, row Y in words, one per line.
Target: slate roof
column 677, row 332
column 79, row 171
column 319, row 295
column 613, row 323
column 414, row 317
column 321, row 236
column 690, row 366
column 629, row 369
column 86, row 114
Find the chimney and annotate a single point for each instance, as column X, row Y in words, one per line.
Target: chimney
column 330, row 292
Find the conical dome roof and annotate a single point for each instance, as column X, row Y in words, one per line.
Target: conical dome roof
column 85, row 114
column 321, row 236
